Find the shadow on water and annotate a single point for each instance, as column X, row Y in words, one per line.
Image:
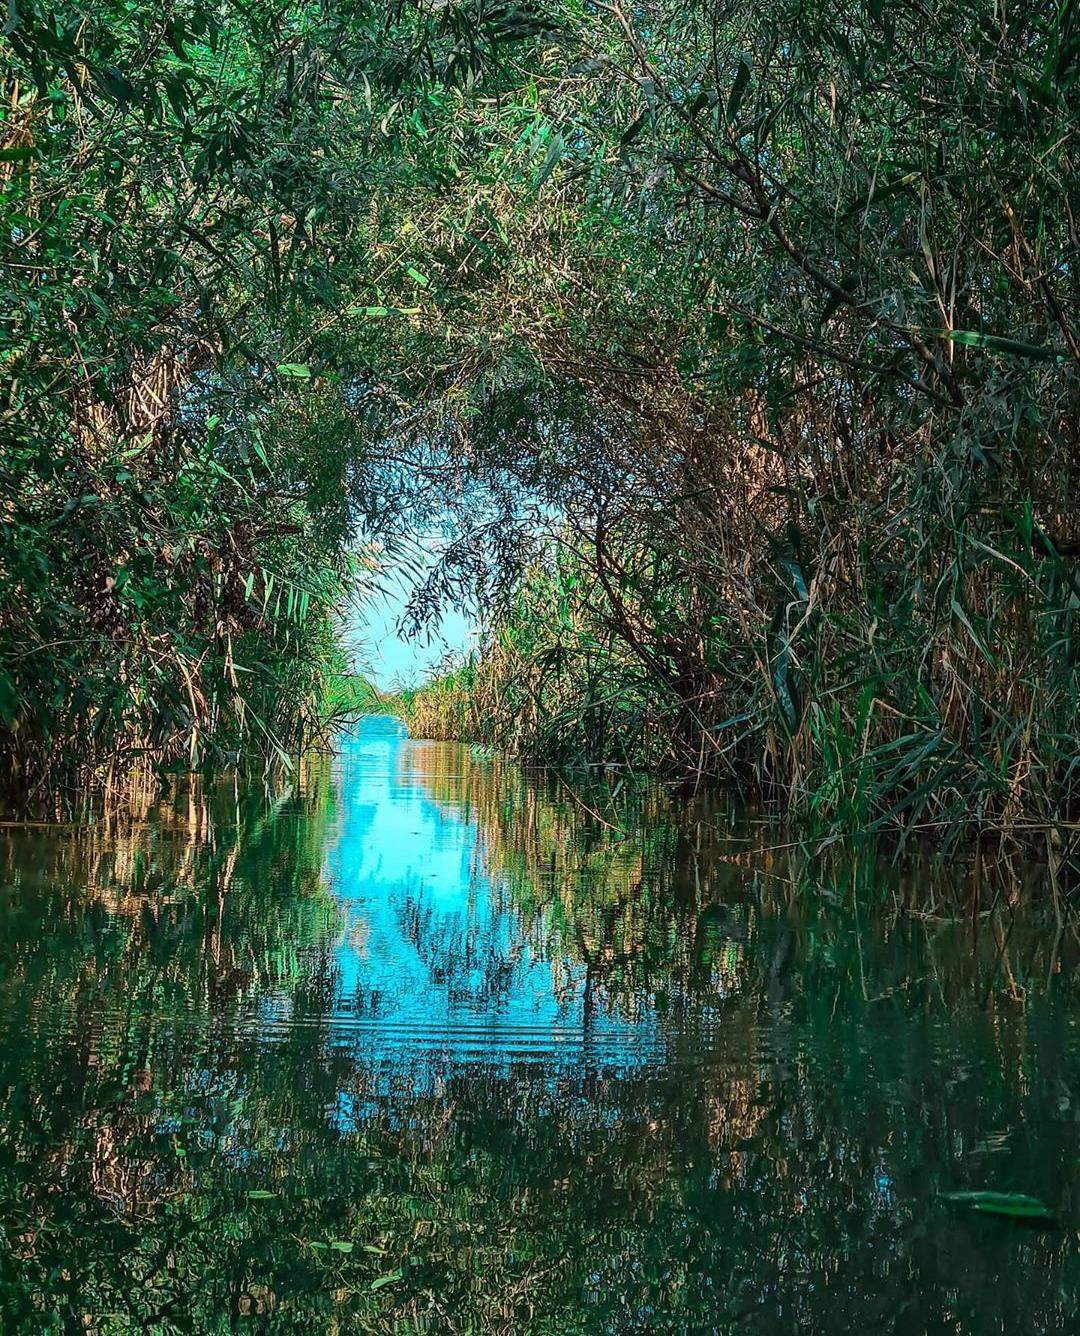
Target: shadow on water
column 422, row 1042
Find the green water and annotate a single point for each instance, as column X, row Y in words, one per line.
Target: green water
column 420, row 1043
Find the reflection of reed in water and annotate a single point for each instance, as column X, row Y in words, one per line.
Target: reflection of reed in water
column 190, row 909
column 609, row 896
column 664, row 901
column 159, row 1160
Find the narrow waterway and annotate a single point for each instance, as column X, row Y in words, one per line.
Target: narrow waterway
column 420, row 1042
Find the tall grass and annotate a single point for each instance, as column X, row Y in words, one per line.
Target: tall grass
column 442, row 708
column 852, row 699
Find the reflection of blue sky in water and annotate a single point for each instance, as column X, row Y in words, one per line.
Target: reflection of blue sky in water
column 427, row 955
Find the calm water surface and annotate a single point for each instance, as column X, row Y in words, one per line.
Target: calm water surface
column 421, row 1043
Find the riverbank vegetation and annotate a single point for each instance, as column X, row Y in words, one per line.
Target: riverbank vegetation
column 185, row 229
column 735, row 347
column 801, row 387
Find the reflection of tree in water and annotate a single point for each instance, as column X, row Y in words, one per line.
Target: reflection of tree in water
column 171, row 1159
column 215, row 900
column 667, row 902
column 609, row 914
column 171, row 924
column 470, row 958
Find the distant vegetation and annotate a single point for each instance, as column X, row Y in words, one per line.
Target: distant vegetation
column 443, row 708
column 352, row 695
column 735, row 347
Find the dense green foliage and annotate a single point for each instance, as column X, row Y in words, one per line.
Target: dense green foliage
column 185, row 215
column 783, row 330
column 735, row 346
column 146, row 527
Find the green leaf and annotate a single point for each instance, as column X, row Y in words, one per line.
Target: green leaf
column 390, row 1278
column 114, row 85
column 554, row 154
column 378, row 312
column 633, row 129
column 739, row 87
column 962, row 617
column 1012, row 1205
column 174, row 91
column 260, row 1194
column 998, row 343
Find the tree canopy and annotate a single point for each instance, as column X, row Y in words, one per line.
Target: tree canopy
column 735, row 346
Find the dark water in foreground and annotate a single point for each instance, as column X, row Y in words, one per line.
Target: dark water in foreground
column 421, row 1044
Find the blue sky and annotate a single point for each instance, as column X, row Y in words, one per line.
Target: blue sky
column 390, row 659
